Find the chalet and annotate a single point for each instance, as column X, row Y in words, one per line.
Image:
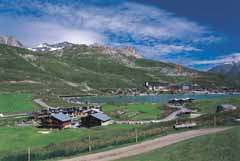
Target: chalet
column 225, row 107
column 157, row 86
column 56, row 120
column 96, row 119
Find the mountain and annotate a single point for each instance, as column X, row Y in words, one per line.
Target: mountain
column 9, row 40
column 83, row 69
column 230, row 70
column 51, row 47
column 101, row 49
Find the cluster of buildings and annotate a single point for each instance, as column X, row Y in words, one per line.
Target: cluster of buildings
column 173, row 88
column 160, row 86
column 87, row 116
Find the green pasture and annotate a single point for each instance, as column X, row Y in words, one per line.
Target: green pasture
column 145, row 111
column 16, row 103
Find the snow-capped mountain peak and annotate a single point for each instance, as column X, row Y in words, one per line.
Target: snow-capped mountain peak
column 51, row 47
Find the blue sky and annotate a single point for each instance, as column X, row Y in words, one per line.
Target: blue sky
column 198, row 34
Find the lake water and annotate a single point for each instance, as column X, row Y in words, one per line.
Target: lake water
column 164, row 98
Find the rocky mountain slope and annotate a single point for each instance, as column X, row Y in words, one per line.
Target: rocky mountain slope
column 9, row 40
column 230, row 70
column 101, row 49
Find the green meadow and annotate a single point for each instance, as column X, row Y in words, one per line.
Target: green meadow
column 16, row 103
column 46, row 144
column 145, row 111
column 24, row 137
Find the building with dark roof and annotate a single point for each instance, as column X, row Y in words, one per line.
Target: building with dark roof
column 96, row 119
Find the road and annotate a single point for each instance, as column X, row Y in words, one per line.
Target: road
column 40, row 102
column 170, row 117
column 146, row 146
column 19, row 115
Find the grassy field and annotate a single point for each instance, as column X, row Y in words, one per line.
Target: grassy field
column 224, row 146
column 210, row 106
column 15, row 103
column 70, row 141
column 23, row 137
column 145, row 111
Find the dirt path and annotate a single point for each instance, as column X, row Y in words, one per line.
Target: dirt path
column 145, row 146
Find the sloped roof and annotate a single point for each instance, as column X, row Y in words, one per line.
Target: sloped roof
column 101, row 116
column 61, row 117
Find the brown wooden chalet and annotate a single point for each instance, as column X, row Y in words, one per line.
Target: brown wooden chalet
column 58, row 120
column 96, row 119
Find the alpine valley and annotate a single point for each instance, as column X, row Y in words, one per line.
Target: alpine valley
column 65, row 68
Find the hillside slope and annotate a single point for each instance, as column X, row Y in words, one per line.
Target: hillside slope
column 231, row 70
column 82, row 68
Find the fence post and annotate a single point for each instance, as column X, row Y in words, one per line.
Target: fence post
column 215, row 120
column 29, row 154
column 136, row 135
column 89, row 144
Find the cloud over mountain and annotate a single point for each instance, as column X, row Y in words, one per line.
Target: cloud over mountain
column 150, row 29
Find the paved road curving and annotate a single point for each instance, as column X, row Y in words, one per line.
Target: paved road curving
column 146, row 146
column 170, row 117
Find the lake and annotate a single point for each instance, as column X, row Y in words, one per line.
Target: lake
column 164, row 98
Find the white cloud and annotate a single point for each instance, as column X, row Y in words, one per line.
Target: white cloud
column 53, row 33
column 137, row 19
column 229, row 59
column 166, row 49
column 32, row 32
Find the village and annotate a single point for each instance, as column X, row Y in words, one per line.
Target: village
column 71, row 117
column 89, row 116
column 162, row 87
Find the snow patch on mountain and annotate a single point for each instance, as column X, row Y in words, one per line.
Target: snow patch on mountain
column 121, row 51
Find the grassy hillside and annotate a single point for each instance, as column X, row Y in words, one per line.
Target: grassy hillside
column 80, row 69
column 224, row 146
